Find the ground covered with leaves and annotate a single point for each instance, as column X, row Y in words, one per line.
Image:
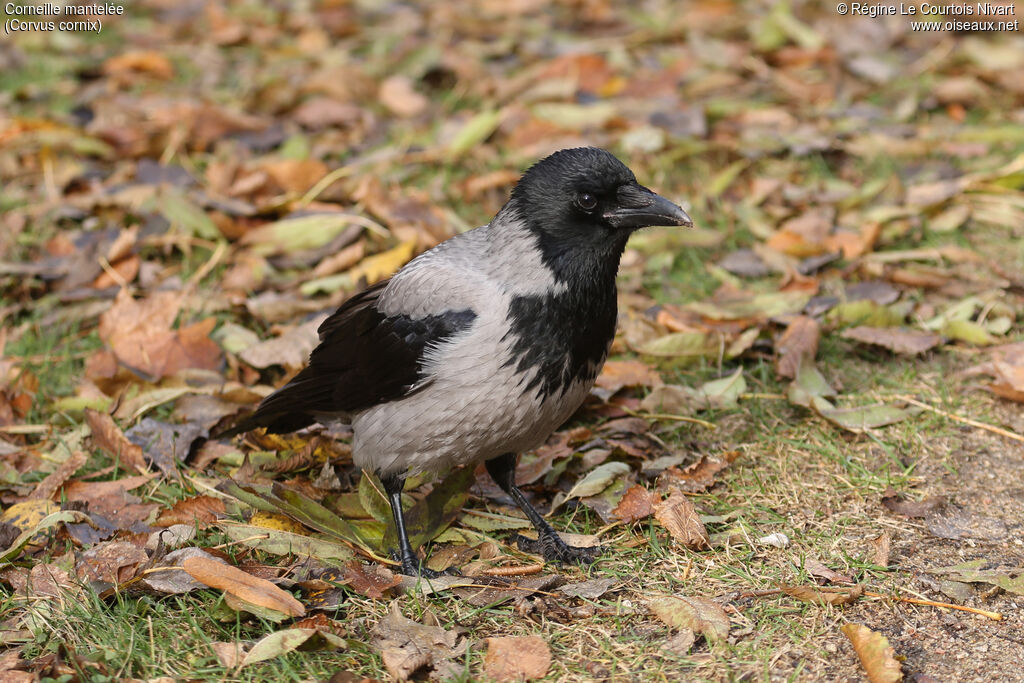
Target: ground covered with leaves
column 805, row 460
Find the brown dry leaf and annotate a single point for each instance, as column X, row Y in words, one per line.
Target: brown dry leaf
column 146, row 62
column 819, row 570
column 880, row 549
column 111, row 440
column 257, row 591
column 896, row 339
column 876, row 655
column 636, row 504
column 696, row 614
column 111, row 499
column 197, row 509
column 47, row 487
column 369, row 580
column 700, row 476
column 806, row 234
column 894, row 502
column 799, row 341
column 140, row 335
column 398, row 95
column 114, row 562
column 517, row 658
column 1009, row 381
column 121, row 273
column 618, row 374
column 407, row 647
column 290, row 349
column 229, row 654
column 677, row 514
column 829, row 596
column 295, row 175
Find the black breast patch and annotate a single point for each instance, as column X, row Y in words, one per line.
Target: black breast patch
column 565, row 336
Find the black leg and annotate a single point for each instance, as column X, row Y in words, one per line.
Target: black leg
column 548, row 544
column 410, row 563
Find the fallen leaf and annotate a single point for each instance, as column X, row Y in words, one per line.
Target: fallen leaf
column 147, row 62
column 113, row 562
column 862, row 418
column 288, row 640
column 894, row 502
column 880, row 549
column 636, row 504
column 677, row 514
column 110, row 439
column 1009, row 381
column 699, row 476
column 407, row 647
column 201, row 510
column 819, row 570
column 619, row 374
column 958, row 523
column 808, row 385
column 140, row 335
column 277, row 542
column 290, row 349
column 516, row 658
column 48, row 486
column 369, row 580
column 876, row 655
column 1010, row 580
column 169, row 578
column 398, row 95
column 799, row 343
column 252, row 589
column 589, row 590
column 700, row 615
column 896, row 339
column 824, row 596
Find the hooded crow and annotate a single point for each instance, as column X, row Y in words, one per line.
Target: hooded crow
column 478, row 349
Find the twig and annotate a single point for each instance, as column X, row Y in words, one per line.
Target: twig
column 674, row 418
column 514, row 571
column 966, row 420
column 996, row 616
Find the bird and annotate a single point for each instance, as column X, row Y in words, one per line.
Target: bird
column 481, row 347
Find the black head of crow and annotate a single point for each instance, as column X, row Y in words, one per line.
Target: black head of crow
column 479, row 348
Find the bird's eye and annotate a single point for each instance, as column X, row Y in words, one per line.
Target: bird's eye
column 586, row 201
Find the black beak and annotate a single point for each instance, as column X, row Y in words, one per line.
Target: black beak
column 637, row 207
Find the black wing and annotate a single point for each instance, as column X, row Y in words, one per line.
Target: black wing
column 364, row 358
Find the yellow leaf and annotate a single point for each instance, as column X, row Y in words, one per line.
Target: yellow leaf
column 271, row 520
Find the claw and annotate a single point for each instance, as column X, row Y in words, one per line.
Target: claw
column 552, row 548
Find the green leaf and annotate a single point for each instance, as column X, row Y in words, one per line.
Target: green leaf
column 181, row 212
column 967, row 331
column 681, row 344
column 435, row 512
column 473, row 133
column 277, row 498
column 597, row 480
column 724, row 392
column 808, row 385
column 373, row 499
column 277, row 542
column 862, row 419
column 288, row 640
column 296, row 234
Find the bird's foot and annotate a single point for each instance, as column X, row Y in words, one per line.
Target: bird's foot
column 552, row 548
column 411, row 566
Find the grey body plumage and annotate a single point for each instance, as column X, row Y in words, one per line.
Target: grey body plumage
column 481, row 347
